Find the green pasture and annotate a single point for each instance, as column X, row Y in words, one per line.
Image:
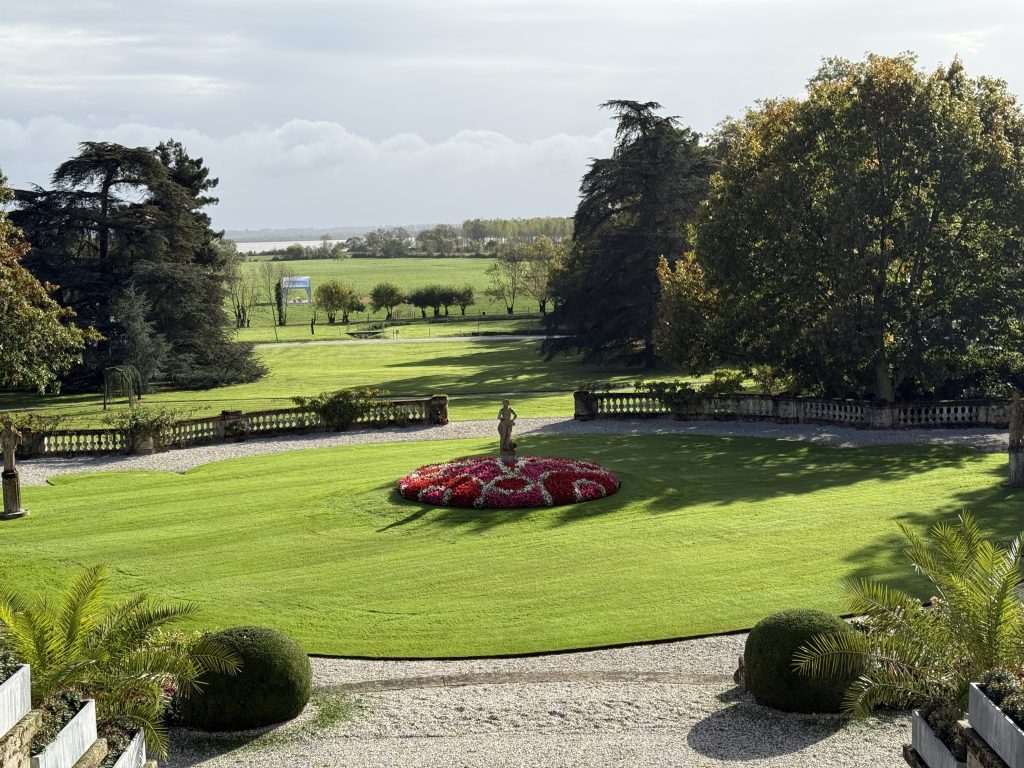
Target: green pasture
column 476, row 374
column 707, row 535
column 363, row 274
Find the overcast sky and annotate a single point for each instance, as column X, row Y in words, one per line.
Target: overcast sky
column 365, row 112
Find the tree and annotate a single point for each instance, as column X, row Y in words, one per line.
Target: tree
column 270, row 275
column 634, row 209
column 131, row 217
column 38, row 340
column 387, row 243
column 419, row 298
column 465, row 297
column 355, row 304
column 135, row 341
column 243, row 286
column 914, row 655
column 386, row 296
column 112, row 653
column 543, row 256
column 688, row 330
column 440, row 239
column 867, row 237
column 334, row 296
column 507, row 276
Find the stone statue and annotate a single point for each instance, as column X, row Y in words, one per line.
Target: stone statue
column 10, row 438
column 506, row 420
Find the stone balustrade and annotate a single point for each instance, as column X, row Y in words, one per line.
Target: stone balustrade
column 799, row 410
column 233, row 425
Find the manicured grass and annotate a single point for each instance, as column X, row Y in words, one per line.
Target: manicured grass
column 706, row 535
column 475, row 373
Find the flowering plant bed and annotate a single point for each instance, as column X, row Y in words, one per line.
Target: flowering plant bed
column 492, row 483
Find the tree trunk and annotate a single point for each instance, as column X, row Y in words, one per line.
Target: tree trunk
column 883, row 383
column 509, row 309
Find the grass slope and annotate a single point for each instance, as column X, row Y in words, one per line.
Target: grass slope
column 706, row 535
column 476, row 372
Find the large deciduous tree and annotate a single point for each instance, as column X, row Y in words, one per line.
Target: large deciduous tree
column 868, row 237
column 124, row 227
column 635, row 207
column 38, row 340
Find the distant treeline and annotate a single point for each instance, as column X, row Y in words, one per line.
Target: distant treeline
column 477, row 238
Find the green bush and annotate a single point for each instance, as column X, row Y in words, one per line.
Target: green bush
column 274, row 684
column 768, row 659
column 341, row 409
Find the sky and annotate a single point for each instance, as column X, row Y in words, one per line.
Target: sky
column 377, row 112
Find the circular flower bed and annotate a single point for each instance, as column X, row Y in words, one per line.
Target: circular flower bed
column 492, row 483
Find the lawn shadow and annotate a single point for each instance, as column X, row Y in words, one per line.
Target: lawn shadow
column 747, row 731
column 664, row 474
column 995, row 506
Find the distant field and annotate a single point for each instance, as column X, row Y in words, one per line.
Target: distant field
column 477, row 374
column 363, row 274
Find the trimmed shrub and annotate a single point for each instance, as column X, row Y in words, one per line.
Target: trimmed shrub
column 768, row 659
column 274, row 684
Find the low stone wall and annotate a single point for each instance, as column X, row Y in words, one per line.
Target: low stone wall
column 799, row 410
column 17, row 742
column 229, row 425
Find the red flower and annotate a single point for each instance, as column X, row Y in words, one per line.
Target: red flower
column 530, row 481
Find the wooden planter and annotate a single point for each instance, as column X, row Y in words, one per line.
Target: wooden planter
column 1000, row 732
column 929, row 746
column 134, row 755
column 15, row 698
column 72, row 742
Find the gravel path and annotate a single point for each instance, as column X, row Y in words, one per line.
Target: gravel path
column 38, row 471
column 573, row 718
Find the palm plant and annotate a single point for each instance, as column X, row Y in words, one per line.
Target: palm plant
column 914, row 655
column 117, row 654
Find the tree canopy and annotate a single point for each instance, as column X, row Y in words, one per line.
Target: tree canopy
column 129, row 220
column 38, row 340
column 868, row 237
column 634, row 208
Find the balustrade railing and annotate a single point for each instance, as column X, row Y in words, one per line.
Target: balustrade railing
column 855, row 413
column 232, row 425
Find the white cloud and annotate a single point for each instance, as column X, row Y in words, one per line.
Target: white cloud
column 970, row 42
column 318, row 173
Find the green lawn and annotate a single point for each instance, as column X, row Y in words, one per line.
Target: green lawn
column 706, row 535
column 475, row 373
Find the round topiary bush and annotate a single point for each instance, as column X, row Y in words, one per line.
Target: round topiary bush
column 768, row 662
column 273, row 685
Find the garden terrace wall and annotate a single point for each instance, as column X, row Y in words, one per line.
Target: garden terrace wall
column 799, row 410
column 233, row 425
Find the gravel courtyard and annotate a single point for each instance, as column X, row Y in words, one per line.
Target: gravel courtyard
column 671, row 704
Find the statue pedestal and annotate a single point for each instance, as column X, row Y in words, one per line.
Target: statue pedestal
column 509, row 457
column 12, row 496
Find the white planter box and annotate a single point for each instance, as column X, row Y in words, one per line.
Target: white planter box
column 929, row 746
column 15, row 698
column 999, row 731
column 72, row 742
column 134, row 755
